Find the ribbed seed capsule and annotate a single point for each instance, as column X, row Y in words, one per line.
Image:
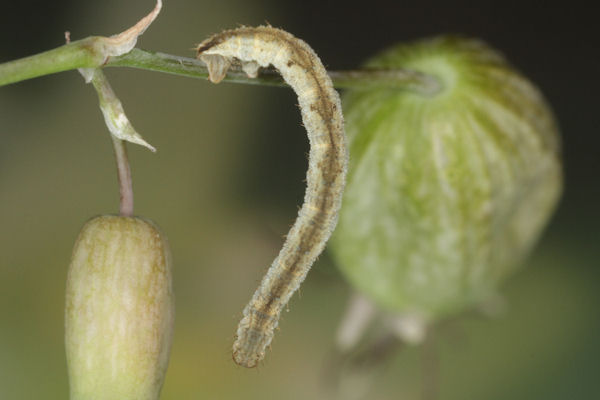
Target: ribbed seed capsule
column 119, row 310
column 446, row 193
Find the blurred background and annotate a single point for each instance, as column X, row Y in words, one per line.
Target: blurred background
column 226, row 182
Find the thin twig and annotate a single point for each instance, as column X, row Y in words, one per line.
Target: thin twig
column 124, row 174
column 355, row 79
column 91, row 53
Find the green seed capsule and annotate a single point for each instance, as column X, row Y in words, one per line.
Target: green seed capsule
column 119, row 310
column 446, row 193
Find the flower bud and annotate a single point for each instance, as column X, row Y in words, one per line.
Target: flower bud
column 447, row 192
column 119, row 310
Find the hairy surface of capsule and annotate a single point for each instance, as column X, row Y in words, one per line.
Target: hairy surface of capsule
column 446, row 193
column 119, row 310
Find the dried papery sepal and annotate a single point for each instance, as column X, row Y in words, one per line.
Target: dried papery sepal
column 114, row 115
column 123, row 42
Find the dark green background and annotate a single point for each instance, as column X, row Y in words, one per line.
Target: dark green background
column 226, row 181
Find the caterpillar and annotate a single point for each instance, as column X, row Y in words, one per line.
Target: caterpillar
column 321, row 110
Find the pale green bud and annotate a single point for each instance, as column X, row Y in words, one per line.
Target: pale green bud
column 448, row 192
column 119, row 310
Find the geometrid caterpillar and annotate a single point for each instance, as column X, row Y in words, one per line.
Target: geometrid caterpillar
column 321, row 112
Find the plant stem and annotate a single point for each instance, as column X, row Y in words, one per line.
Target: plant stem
column 124, row 174
column 402, row 79
column 91, row 53
column 86, row 53
column 357, row 79
column 118, row 124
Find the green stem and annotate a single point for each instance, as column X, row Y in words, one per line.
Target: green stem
column 124, row 175
column 113, row 112
column 189, row 67
column 359, row 79
column 402, row 79
column 88, row 53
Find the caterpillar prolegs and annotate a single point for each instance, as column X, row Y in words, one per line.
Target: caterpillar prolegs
column 321, row 113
